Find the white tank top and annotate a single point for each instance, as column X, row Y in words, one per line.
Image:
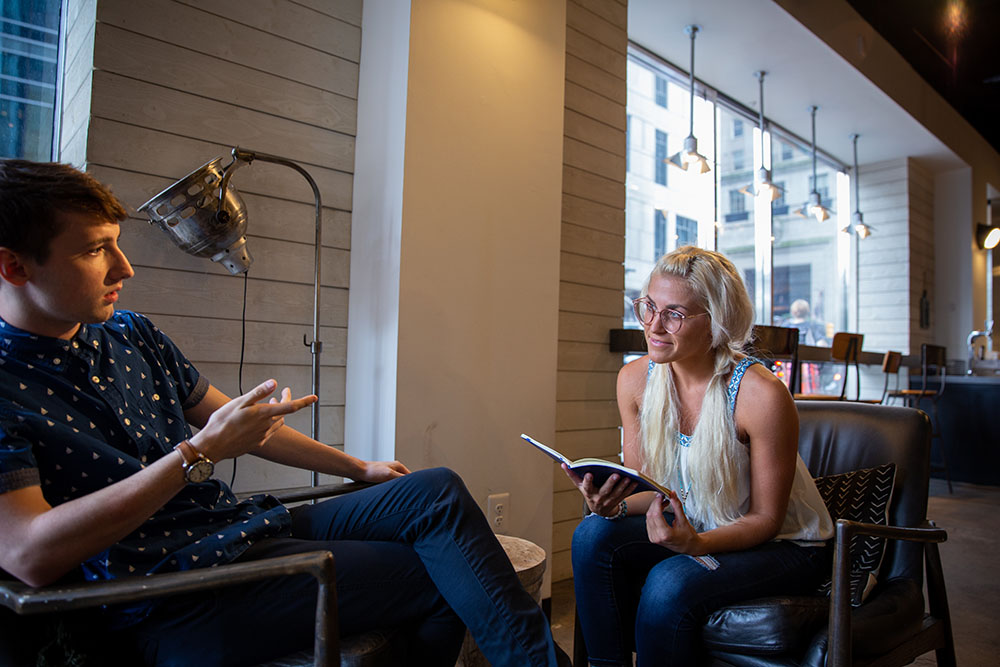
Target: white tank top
column 807, row 521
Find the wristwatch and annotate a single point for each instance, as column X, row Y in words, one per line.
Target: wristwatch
column 197, row 466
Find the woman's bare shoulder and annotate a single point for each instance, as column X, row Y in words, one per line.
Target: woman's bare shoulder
column 632, row 377
column 760, row 383
column 635, row 370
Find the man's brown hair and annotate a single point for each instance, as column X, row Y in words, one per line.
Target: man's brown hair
column 33, row 194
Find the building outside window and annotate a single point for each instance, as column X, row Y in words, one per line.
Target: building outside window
column 739, row 159
column 687, row 231
column 628, row 140
column 783, row 257
column 661, row 157
column 780, row 205
column 659, row 235
column 787, row 151
column 822, row 186
column 29, row 49
column 661, row 92
column 658, row 193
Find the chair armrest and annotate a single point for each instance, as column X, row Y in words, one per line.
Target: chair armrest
column 926, row 533
column 25, row 600
column 840, row 608
column 301, row 493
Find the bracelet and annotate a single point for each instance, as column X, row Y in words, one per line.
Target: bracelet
column 622, row 512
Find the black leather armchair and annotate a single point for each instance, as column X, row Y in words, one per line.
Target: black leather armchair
column 892, row 626
column 33, row 615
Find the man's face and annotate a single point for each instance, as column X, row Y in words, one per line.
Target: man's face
column 80, row 280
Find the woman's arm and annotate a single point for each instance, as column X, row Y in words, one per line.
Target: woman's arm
column 766, row 417
column 606, row 500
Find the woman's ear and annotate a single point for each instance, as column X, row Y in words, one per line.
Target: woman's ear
column 12, row 269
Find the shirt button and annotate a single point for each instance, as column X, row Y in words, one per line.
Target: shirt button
column 76, row 345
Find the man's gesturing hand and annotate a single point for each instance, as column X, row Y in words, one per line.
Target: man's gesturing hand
column 245, row 423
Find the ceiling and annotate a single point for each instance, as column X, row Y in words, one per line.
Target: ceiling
column 738, row 37
column 950, row 43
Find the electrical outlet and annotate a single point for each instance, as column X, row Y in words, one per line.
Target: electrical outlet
column 498, row 512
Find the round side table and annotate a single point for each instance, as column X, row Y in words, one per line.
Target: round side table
column 528, row 560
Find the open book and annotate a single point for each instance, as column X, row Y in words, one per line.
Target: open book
column 601, row 469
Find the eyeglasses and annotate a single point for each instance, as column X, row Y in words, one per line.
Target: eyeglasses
column 645, row 312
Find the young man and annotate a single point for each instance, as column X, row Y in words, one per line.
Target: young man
column 99, row 470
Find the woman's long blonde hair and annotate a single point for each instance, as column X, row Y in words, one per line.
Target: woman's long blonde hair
column 714, row 463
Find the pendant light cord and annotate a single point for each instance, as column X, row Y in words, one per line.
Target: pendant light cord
column 693, row 29
column 760, row 74
column 857, row 180
column 812, row 109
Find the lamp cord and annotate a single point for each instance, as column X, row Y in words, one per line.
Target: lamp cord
column 243, row 347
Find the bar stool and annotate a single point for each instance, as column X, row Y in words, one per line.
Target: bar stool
column 933, row 362
column 846, row 348
column 890, row 366
column 780, row 347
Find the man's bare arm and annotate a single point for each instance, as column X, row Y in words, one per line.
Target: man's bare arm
column 292, row 448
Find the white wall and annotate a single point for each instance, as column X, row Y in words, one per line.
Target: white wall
column 953, row 310
column 373, row 320
column 479, row 249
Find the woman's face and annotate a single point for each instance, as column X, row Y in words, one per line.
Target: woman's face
column 694, row 337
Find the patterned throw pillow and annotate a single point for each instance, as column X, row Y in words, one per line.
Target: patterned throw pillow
column 864, row 496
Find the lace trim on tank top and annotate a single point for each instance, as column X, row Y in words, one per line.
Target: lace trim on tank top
column 732, row 389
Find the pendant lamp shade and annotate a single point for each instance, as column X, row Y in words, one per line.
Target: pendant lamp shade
column 857, row 224
column 762, row 185
column 814, row 206
column 689, row 158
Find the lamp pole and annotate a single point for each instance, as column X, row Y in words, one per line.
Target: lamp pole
column 241, row 155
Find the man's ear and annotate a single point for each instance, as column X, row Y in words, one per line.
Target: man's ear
column 12, row 268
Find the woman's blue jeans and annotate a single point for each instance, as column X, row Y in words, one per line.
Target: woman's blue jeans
column 414, row 553
column 632, row 595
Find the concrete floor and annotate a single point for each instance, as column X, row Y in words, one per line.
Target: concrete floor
column 972, row 518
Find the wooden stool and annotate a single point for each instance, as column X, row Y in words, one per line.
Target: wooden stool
column 528, row 560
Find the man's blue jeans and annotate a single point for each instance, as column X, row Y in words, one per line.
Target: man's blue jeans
column 632, row 595
column 415, row 553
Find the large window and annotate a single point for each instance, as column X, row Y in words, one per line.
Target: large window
column 665, row 206
column 785, row 259
column 29, row 46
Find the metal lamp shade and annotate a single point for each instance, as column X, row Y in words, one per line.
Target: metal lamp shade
column 188, row 212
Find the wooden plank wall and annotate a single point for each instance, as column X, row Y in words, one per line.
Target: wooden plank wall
column 897, row 260
column 176, row 83
column 920, row 191
column 884, row 271
column 592, row 274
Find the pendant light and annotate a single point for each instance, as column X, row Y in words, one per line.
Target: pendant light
column 814, row 206
column 763, row 187
column 857, row 224
column 689, row 158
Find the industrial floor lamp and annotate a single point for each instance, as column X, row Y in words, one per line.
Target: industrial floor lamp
column 205, row 216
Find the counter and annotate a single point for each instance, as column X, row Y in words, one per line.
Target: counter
column 969, row 422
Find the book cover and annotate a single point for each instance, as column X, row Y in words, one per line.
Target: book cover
column 600, row 469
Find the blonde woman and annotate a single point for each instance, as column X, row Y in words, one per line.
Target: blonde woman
column 743, row 518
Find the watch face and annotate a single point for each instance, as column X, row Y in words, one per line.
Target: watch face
column 199, row 471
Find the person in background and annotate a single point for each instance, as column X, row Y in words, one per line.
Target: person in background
column 102, row 475
column 743, row 518
column 811, row 332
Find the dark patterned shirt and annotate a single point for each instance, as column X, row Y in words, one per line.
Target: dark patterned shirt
column 78, row 415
